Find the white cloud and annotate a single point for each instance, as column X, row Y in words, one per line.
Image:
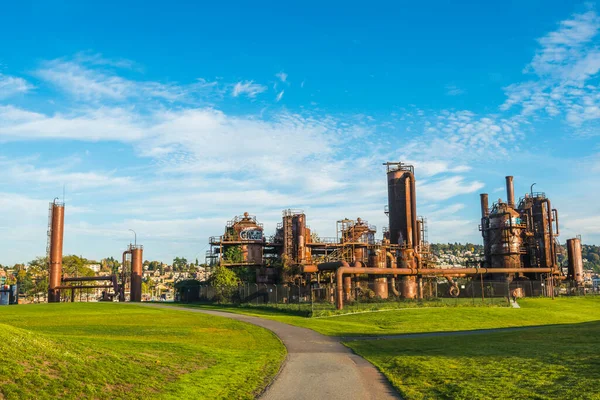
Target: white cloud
column 11, row 85
column 89, row 79
column 15, row 172
column 279, row 96
column 87, row 125
column 565, row 63
column 282, row 76
column 446, row 188
column 453, row 90
column 248, row 88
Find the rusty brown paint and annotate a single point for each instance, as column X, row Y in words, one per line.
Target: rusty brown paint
column 56, row 252
column 510, row 191
column 345, row 269
column 575, row 260
column 137, row 255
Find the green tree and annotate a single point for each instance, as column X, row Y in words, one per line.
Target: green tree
column 234, row 254
column 179, row 264
column 225, row 282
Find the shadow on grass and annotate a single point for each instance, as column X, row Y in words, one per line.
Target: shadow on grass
column 552, row 361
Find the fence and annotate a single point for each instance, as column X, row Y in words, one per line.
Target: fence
column 318, row 300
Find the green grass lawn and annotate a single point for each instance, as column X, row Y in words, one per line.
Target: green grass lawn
column 559, row 362
column 111, row 351
column 533, row 311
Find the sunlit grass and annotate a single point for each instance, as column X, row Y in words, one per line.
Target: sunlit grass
column 110, row 351
column 533, row 311
column 558, row 362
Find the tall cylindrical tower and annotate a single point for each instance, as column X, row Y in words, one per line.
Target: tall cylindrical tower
column 56, row 250
column 575, row 260
column 137, row 257
column 402, row 205
column 510, row 191
column 402, row 213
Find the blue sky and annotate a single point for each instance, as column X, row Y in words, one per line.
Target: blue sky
column 171, row 118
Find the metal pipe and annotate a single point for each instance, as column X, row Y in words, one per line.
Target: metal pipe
column 392, row 284
column 430, row 271
column 510, row 191
column 84, row 287
column 555, row 212
column 134, row 237
column 552, row 246
column 123, row 275
column 88, row 278
column 413, row 211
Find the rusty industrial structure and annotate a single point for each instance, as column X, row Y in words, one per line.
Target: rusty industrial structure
column 133, row 279
column 58, row 282
column 519, row 238
column 55, row 248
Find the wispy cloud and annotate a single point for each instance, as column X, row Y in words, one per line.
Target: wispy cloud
column 564, row 67
column 248, row 88
column 87, row 78
column 279, row 96
column 282, row 76
column 453, row 90
column 11, row 85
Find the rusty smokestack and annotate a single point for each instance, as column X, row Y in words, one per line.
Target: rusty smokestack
column 135, row 290
column 575, row 260
column 56, row 251
column 510, row 191
column 485, row 205
column 402, row 205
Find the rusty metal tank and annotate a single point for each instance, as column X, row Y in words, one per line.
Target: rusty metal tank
column 505, row 237
column 137, row 257
column 575, row 260
column 380, row 287
column 542, row 220
column 247, row 230
column 402, row 204
column 408, row 287
column 296, row 235
column 56, row 250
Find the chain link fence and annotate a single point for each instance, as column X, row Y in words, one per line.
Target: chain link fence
column 319, row 300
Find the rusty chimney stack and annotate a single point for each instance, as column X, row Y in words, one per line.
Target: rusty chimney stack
column 510, row 191
column 57, row 223
column 485, row 205
column 137, row 255
column 575, row 260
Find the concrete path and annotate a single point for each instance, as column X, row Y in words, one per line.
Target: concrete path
column 316, row 367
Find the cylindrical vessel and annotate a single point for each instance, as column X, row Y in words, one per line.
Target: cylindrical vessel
column 380, row 287
column 56, row 251
column 505, row 239
column 485, row 207
column 348, row 287
column 137, row 256
column 575, row 260
column 408, row 287
column 400, row 199
column 510, row 191
column 300, row 230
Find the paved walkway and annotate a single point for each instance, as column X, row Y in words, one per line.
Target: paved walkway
column 316, row 367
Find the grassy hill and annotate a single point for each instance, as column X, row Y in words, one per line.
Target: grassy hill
column 118, row 351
